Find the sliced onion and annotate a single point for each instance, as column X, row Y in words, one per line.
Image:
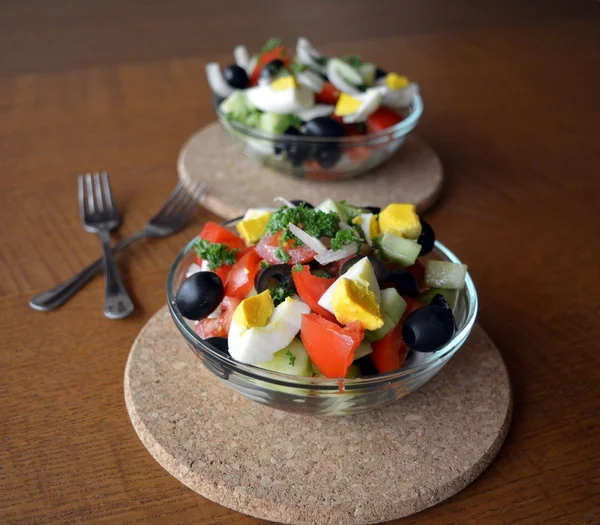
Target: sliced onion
column 216, row 81
column 193, row 268
column 310, row 80
column 306, row 54
column 319, row 110
column 336, row 255
column 240, row 53
column 336, row 78
column 251, row 64
column 284, row 201
column 312, row 242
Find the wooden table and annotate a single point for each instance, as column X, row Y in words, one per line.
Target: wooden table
column 512, row 95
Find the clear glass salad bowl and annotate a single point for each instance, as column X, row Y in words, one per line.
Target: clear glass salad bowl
column 355, row 154
column 317, row 395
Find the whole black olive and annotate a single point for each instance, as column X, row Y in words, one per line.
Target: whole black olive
column 428, row 328
column 366, row 366
column 281, row 145
column 379, row 73
column 324, row 127
column 271, row 69
column 375, row 210
column 282, row 273
column 236, row 77
column 426, row 239
column 404, row 282
column 199, row 295
column 297, row 202
column 381, row 272
column 328, row 155
column 218, row 343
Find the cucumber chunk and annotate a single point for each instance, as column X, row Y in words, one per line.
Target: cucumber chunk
column 292, row 359
column 330, row 205
column 392, row 308
column 273, row 123
column 363, row 349
column 450, row 295
column 398, row 249
column 446, row 275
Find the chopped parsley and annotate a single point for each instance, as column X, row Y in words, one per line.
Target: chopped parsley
column 315, row 223
column 378, row 249
column 297, row 267
column 319, row 272
column 216, row 254
column 264, row 264
column 291, row 358
column 291, row 121
column 345, row 237
column 281, row 292
column 296, row 67
column 271, row 44
column 320, row 59
column 354, row 60
column 282, row 255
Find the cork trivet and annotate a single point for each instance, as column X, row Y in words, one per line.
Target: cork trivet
column 235, row 182
column 288, row 468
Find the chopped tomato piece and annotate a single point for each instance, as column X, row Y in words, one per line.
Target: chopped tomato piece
column 214, row 232
column 310, row 288
column 277, row 52
column 390, row 352
column 241, row 277
column 330, row 346
column 218, row 326
column 382, row 118
column 328, row 95
column 269, row 244
column 222, row 271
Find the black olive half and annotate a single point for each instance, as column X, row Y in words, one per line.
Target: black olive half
column 381, row 272
column 199, row 295
column 324, row 127
column 328, row 155
column 426, row 239
column 439, row 300
column 428, row 328
column 281, row 145
column 404, row 282
column 271, row 69
column 236, row 77
column 218, row 343
column 297, row 202
column 379, row 73
column 282, row 273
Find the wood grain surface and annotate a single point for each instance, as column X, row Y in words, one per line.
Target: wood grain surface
column 511, row 106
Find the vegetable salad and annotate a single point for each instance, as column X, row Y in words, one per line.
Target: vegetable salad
column 334, row 290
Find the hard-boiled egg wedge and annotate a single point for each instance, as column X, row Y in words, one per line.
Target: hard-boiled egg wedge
column 282, row 96
column 396, row 90
column 252, row 227
column 369, row 225
column 400, row 219
column 356, row 108
column 257, row 344
column 361, row 272
column 353, row 301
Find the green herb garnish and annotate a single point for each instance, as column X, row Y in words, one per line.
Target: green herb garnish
column 297, row 267
column 321, row 60
column 291, row 358
column 296, row 67
column 271, row 44
column 345, row 237
column 216, row 254
column 282, row 255
column 319, row 272
column 354, row 60
column 315, row 223
column 281, row 292
column 292, row 121
column 264, row 264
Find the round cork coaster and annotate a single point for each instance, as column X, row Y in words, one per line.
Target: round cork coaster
column 236, row 182
column 349, row 470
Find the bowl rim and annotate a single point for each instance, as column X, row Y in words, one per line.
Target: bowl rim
column 399, row 130
column 324, row 383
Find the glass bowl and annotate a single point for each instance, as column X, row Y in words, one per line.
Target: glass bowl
column 317, row 395
column 344, row 157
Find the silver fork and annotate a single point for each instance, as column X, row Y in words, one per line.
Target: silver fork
column 100, row 216
column 172, row 217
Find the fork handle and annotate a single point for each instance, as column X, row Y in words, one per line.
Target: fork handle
column 61, row 293
column 117, row 303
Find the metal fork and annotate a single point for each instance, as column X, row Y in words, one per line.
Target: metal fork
column 100, row 216
column 172, row 217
